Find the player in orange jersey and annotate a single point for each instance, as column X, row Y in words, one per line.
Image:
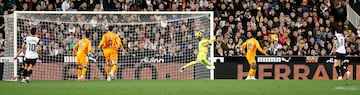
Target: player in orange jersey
column 109, row 44
column 251, row 46
column 81, row 49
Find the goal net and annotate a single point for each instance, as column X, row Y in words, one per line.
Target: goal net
column 158, row 44
column 7, row 64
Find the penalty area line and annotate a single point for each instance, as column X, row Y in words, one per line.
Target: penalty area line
column 349, row 88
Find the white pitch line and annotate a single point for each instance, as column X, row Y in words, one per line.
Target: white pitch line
column 351, row 88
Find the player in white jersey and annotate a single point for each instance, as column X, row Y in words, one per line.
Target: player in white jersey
column 32, row 50
column 340, row 53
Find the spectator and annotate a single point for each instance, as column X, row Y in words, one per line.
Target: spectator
column 94, row 21
column 348, row 51
column 47, row 39
column 45, row 50
column 98, row 7
column 3, row 42
column 109, row 4
column 277, row 45
column 231, row 45
column 43, row 4
column 50, row 7
column 283, row 27
column 218, row 46
column 72, row 7
column 172, row 52
column 65, row 6
column 25, row 7
column 161, row 51
column 83, row 7
column 323, row 52
column 271, row 50
column 38, row 8
column 2, row 26
column 61, row 52
column 117, row 7
column 285, row 50
column 329, row 47
column 313, row 53
column 358, row 31
column 2, row 52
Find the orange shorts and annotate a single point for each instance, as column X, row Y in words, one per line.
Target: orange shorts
column 251, row 59
column 81, row 59
column 110, row 55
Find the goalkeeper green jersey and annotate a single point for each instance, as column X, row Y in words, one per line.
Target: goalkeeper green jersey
column 203, row 50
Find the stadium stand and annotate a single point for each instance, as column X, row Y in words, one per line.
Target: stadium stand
column 283, row 27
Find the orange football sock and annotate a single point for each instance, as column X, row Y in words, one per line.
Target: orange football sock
column 251, row 72
column 79, row 72
column 113, row 68
column 83, row 71
column 107, row 69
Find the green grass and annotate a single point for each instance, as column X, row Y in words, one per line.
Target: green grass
column 182, row 87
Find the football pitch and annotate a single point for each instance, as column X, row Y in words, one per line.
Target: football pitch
column 182, row 87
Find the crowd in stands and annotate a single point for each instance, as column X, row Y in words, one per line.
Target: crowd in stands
column 283, row 27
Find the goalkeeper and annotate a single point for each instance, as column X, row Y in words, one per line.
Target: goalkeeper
column 203, row 51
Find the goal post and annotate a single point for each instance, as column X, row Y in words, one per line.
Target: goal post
column 158, row 43
column 9, row 66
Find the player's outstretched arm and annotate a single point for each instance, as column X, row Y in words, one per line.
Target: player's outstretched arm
column 89, row 48
column 75, row 48
column 121, row 47
column 212, row 39
column 90, row 51
column 18, row 53
column 333, row 46
column 102, row 42
column 23, row 47
column 118, row 42
column 243, row 47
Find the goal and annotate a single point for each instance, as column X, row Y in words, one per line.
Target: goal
column 157, row 43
